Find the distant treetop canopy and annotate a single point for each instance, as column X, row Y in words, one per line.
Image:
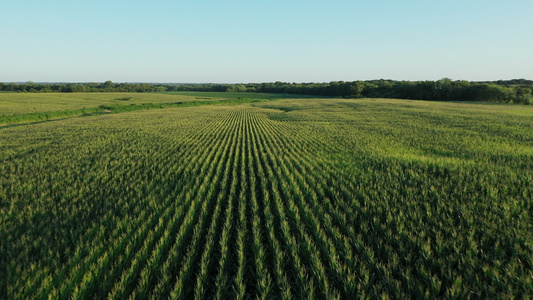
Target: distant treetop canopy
column 515, row 90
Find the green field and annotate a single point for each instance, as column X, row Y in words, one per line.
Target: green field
column 271, row 198
column 35, row 107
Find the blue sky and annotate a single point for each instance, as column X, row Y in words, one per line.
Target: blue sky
column 264, row 41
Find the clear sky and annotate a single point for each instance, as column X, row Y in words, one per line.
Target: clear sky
column 263, row 41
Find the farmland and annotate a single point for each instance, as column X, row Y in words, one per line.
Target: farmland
column 269, row 198
column 35, row 107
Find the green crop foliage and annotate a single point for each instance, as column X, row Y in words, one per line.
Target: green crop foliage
column 264, row 197
column 16, row 108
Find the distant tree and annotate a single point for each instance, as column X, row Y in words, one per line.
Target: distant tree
column 78, row 88
column 66, row 88
column 46, row 89
column 442, row 89
column 109, row 86
column 236, row 88
column 160, row 89
column 13, row 87
column 352, row 89
column 522, row 95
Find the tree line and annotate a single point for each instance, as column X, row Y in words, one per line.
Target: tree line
column 516, row 90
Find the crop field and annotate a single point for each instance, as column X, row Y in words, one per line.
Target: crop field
column 278, row 199
column 37, row 107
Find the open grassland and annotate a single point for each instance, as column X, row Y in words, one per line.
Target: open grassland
column 302, row 198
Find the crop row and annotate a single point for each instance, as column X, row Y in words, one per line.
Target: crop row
column 242, row 202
